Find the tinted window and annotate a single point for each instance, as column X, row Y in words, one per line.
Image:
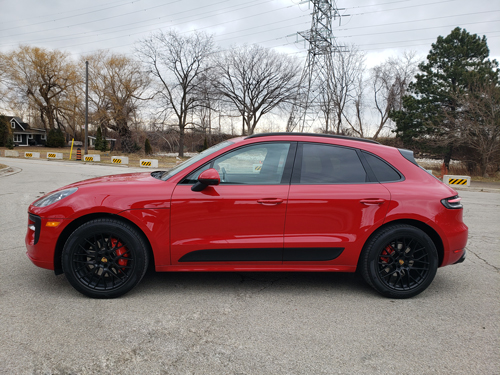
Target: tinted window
column 194, row 159
column 259, row 164
column 383, row 171
column 325, row 164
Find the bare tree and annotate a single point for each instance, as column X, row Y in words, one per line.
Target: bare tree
column 177, row 63
column 254, row 81
column 478, row 123
column 339, row 89
column 389, row 82
column 116, row 86
column 43, row 77
column 354, row 115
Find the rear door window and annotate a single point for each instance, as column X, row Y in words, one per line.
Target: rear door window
column 327, row 164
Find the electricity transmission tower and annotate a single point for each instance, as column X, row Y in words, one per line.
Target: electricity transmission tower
column 322, row 46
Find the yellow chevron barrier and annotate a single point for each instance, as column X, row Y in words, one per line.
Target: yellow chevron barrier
column 148, row 163
column 456, row 180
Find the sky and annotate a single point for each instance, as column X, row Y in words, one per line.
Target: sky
column 379, row 28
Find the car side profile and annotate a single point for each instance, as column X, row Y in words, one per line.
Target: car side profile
column 266, row 202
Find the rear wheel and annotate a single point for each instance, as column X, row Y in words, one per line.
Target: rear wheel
column 400, row 261
column 104, row 258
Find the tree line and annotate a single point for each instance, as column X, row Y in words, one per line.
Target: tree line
column 177, row 84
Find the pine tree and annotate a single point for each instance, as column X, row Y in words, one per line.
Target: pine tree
column 455, row 65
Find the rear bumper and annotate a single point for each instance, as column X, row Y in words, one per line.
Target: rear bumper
column 462, row 258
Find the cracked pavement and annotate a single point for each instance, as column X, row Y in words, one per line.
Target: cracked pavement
column 243, row 323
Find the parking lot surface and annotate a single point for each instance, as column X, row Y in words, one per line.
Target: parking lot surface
column 242, row 323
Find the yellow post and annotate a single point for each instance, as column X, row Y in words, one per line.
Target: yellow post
column 71, row 151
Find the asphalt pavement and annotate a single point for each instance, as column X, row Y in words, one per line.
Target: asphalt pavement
column 242, row 323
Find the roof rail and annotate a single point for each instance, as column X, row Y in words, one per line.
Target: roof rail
column 313, row 135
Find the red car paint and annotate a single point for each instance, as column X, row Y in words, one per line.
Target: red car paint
column 279, row 217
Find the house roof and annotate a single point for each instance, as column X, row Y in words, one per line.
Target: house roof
column 20, row 122
column 24, row 126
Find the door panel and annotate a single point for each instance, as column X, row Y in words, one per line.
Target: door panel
column 333, row 217
column 227, row 223
column 241, row 220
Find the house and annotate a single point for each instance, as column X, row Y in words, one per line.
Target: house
column 24, row 135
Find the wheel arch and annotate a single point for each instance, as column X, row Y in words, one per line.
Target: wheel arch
column 71, row 227
column 434, row 236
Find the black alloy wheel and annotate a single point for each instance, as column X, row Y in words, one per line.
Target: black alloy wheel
column 400, row 261
column 104, row 258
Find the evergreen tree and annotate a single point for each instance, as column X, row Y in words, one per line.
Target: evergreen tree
column 9, row 143
column 430, row 116
column 98, row 139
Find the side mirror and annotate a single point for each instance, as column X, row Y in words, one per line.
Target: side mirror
column 207, row 178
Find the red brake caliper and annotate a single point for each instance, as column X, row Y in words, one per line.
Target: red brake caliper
column 120, row 251
column 387, row 251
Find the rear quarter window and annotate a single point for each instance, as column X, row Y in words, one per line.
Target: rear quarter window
column 383, row 171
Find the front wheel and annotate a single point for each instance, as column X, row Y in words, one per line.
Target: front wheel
column 104, row 258
column 399, row 262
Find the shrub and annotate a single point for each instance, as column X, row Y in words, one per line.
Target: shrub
column 55, row 138
column 147, row 147
column 9, row 143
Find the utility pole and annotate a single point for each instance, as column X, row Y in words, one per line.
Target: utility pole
column 322, row 47
column 86, row 107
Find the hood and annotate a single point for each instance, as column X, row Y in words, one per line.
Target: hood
column 126, row 178
column 111, row 194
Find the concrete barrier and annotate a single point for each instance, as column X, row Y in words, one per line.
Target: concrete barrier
column 91, row 157
column 148, row 163
column 12, row 153
column 35, row 155
column 119, row 159
column 54, row 155
column 456, row 180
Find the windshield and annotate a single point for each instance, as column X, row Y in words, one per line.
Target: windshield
column 166, row 175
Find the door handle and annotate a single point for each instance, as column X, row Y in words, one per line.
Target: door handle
column 371, row 201
column 270, row 201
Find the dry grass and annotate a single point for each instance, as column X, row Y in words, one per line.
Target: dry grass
column 164, row 162
column 2, row 166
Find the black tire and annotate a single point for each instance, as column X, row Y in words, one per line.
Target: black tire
column 400, row 261
column 104, row 258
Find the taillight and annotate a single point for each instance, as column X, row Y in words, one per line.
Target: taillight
column 452, row 203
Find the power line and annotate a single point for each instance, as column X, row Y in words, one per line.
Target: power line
column 67, row 17
column 98, row 20
column 127, row 26
column 68, row 11
column 419, row 29
column 201, row 28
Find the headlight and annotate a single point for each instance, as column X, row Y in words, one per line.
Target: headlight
column 54, row 197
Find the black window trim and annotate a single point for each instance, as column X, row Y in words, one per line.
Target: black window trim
column 287, row 171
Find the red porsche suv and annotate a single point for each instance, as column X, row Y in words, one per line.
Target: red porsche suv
column 266, row 202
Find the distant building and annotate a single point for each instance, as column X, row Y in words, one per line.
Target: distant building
column 24, row 135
